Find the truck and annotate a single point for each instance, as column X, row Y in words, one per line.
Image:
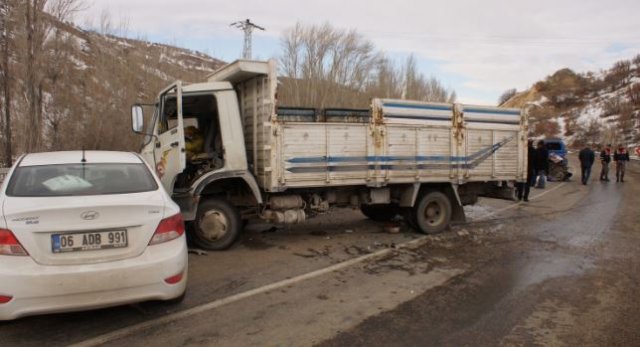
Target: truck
column 420, row 161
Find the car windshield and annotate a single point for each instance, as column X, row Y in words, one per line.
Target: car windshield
column 80, row 179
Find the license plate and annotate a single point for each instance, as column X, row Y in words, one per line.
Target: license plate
column 89, row 241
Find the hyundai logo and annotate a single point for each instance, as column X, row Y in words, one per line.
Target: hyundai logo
column 89, row 215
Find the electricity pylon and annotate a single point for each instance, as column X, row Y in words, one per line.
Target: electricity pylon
column 247, row 27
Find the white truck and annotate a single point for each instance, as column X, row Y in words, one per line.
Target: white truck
column 423, row 161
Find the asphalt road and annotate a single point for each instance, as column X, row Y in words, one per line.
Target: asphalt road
column 561, row 269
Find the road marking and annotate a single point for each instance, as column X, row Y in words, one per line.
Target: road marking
column 123, row 332
column 514, row 205
column 126, row 331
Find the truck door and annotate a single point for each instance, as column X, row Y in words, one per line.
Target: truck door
column 169, row 149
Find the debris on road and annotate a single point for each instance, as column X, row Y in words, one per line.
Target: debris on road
column 463, row 232
column 392, row 229
column 273, row 229
column 197, row 251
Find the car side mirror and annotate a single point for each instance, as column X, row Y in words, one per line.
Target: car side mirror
column 137, row 119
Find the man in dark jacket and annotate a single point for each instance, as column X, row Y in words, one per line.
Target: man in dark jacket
column 524, row 187
column 621, row 157
column 587, row 157
column 541, row 166
column 605, row 159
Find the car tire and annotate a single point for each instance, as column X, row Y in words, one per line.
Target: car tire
column 380, row 212
column 433, row 212
column 217, row 225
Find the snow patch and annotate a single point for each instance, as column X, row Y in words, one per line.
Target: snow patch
column 477, row 211
column 80, row 65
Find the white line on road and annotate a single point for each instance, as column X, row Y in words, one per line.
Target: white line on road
column 124, row 332
column 483, row 217
column 120, row 333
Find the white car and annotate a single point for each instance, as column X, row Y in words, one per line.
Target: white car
column 84, row 230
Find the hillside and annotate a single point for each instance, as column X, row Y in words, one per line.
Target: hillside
column 593, row 107
column 87, row 83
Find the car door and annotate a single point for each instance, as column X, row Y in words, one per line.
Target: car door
column 169, row 148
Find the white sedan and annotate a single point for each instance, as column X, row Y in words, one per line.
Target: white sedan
column 87, row 230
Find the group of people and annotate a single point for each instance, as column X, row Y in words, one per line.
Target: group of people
column 538, row 166
column 587, row 159
column 537, row 169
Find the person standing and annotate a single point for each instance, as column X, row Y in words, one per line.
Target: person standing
column 525, row 187
column 605, row 159
column 621, row 157
column 541, row 164
column 587, row 157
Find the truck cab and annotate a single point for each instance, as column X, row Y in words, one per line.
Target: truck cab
column 195, row 143
column 192, row 132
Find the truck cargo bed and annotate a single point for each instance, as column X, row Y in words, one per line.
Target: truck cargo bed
column 394, row 142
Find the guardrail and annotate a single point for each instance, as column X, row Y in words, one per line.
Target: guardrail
column 3, row 173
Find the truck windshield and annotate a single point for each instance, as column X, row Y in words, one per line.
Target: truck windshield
column 80, row 180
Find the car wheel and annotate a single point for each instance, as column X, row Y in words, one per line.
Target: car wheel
column 380, row 212
column 217, row 225
column 433, row 212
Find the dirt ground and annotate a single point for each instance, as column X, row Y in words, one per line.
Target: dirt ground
column 559, row 270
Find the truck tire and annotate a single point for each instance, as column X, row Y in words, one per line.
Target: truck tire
column 433, row 212
column 217, row 225
column 380, row 212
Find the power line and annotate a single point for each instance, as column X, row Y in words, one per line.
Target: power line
column 514, row 40
column 247, row 26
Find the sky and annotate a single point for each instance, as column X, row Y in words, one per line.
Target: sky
column 478, row 48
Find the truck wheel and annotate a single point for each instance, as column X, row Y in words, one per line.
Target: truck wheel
column 433, row 212
column 217, row 225
column 380, row 212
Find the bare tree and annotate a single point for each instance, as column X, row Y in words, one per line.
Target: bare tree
column 591, row 133
column 634, row 94
column 323, row 62
column 419, row 87
column 621, row 73
column 324, row 66
column 507, row 95
column 39, row 24
column 59, row 52
column 387, row 81
column 636, row 62
column 32, row 129
column 7, row 11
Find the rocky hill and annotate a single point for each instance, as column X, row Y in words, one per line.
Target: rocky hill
column 87, row 82
column 593, row 107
